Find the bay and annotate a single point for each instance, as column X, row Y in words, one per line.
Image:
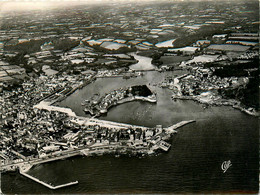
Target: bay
column 193, row 164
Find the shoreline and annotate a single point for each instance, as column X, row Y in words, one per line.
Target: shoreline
column 99, row 148
column 177, row 79
column 126, row 100
column 103, row 104
column 232, row 103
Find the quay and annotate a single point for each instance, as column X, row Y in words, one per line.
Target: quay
column 76, row 152
column 158, row 143
column 178, row 125
column 64, row 155
column 26, row 164
column 46, row 184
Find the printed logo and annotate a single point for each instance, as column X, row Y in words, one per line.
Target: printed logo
column 225, row 165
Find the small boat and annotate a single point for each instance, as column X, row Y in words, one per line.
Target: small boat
column 126, row 77
column 205, row 106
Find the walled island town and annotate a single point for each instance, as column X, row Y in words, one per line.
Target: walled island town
column 93, row 81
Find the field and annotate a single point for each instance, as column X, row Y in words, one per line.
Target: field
column 168, row 43
column 170, row 60
column 228, row 47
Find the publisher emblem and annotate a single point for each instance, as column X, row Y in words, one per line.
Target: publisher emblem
column 225, row 165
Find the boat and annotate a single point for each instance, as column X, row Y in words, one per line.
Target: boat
column 126, row 77
column 87, row 110
column 95, row 98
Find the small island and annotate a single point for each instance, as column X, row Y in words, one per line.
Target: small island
column 100, row 105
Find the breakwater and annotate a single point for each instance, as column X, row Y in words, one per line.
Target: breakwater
column 46, row 184
column 178, row 125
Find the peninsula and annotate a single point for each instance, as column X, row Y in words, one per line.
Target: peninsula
column 100, row 105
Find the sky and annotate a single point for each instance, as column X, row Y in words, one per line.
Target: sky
column 35, row 5
column 14, row 5
column 7, row 5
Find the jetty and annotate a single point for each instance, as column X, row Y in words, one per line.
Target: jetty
column 173, row 128
column 22, row 172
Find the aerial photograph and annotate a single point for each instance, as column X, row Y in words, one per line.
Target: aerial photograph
column 129, row 97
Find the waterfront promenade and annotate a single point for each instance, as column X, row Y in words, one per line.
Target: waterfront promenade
column 75, row 152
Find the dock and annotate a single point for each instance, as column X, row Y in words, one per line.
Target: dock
column 46, row 184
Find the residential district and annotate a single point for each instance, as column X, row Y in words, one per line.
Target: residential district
column 45, row 59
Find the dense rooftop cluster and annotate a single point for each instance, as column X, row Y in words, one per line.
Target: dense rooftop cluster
column 100, row 105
